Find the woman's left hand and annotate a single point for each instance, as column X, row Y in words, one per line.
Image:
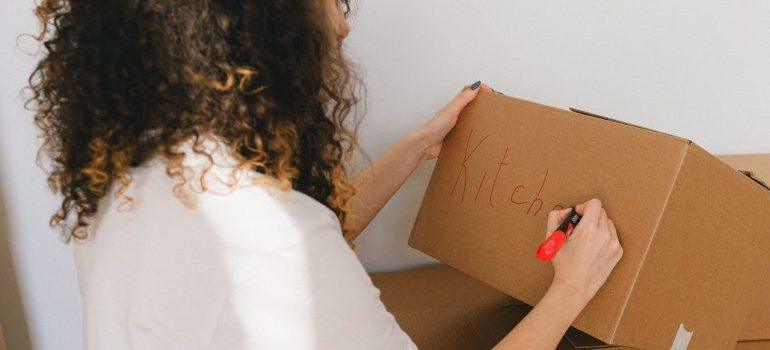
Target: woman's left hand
column 433, row 133
column 376, row 184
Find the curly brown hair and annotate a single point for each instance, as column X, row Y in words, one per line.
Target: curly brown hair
column 124, row 81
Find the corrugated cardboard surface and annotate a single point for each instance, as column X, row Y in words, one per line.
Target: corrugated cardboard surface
column 436, row 287
column 2, row 339
column 753, row 345
column 488, row 223
column 757, row 324
column 508, row 162
column 442, row 308
column 705, row 260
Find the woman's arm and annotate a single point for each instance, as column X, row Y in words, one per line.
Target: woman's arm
column 377, row 183
column 580, row 269
column 544, row 326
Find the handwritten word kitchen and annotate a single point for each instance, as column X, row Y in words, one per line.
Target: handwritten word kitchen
column 489, row 190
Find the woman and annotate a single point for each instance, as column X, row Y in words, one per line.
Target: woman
column 200, row 148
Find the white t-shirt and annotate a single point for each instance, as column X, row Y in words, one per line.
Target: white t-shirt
column 258, row 268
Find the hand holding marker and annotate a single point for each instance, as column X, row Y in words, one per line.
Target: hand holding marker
column 589, row 251
column 548, row 249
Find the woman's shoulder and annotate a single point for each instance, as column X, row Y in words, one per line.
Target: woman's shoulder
column 243, row 193
column 206, row 167
column 208, row 186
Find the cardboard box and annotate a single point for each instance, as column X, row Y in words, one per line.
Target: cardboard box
column 694, row 231
column 2, row 339
column 442, row 308
column 757, row 324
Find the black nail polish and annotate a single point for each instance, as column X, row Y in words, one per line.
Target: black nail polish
column 476, row 85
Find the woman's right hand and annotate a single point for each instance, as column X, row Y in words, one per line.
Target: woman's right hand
column 581, row 268
column 587, row 258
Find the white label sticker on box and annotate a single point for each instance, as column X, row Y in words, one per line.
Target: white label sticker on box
column 682, row 339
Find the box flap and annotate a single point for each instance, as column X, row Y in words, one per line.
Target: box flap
column 579, row 111
column 756, row 166
column 755, row 178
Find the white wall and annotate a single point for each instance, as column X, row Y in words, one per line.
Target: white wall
column 43, row 264
column 698, row 69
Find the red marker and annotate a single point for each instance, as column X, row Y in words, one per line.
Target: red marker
column 548, row 249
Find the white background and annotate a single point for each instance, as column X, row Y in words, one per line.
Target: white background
column 698, row 69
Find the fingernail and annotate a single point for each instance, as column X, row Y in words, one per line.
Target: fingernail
column 476, row 85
